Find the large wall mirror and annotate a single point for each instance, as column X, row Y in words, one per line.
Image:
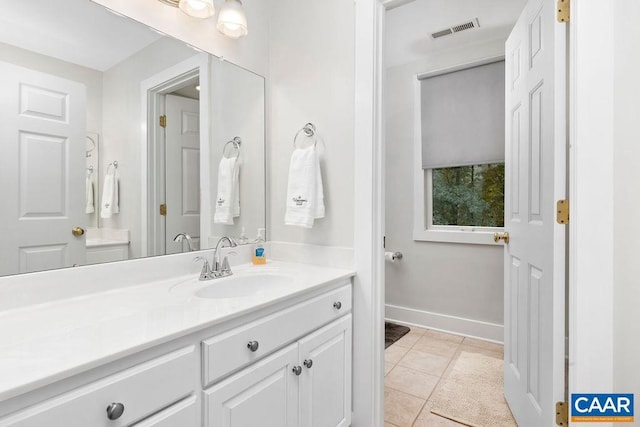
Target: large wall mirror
column 118, row 142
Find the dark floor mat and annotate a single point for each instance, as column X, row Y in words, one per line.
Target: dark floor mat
column 393, row 333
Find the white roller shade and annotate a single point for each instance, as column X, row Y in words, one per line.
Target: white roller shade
column 463, row 117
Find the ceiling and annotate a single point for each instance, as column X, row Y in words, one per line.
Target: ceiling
column 408, row 27
column 73, row 31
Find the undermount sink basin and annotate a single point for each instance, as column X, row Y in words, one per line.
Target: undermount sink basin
column 242, row 286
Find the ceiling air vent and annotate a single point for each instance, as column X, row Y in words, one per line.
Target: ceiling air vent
column 469, row 25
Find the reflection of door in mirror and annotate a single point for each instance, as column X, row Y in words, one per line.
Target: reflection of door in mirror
column 43, row 136
column 182, row 167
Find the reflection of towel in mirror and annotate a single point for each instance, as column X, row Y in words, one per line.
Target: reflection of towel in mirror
column 110, row 203
column 305, row 195
column 89, row 205
column 228, row 197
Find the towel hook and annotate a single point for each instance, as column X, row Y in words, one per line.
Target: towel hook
column 114, row 164
column 310, row 131
column 236, row 142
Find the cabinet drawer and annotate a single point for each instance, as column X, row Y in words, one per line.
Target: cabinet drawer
column 184, row 413
column 229, row 351
column 142, row 389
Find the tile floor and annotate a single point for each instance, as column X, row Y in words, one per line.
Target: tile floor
column 413, row 367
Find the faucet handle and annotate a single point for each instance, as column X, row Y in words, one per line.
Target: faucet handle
column 205, row 273
column 225, row 267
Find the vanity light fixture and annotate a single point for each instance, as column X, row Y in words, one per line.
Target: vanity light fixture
column 195, row 8
column 232, row 21
column 198, row 8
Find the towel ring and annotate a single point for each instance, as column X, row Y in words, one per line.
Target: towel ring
column 93, row 146
column 310, row 131
column 236, row 142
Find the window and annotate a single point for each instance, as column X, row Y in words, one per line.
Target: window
column 460, row 170
column 468, row 196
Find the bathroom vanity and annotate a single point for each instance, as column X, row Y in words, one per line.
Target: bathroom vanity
column 268, row 346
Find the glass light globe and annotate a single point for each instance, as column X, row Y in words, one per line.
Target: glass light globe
column 198, row 8
column 232, row 21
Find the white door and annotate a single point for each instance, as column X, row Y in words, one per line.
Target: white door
column 535, row 179
column 325, row 383
column 42, row 170
column 182, row 171
column 265, row 394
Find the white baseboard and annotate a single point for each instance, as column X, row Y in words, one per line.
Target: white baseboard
column 442, row 322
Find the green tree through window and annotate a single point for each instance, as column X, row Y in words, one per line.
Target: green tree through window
column 469, row 195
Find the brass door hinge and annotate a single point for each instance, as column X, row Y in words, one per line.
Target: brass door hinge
column 562, row 212
column 564, row 11
column 163, row 121
column 163, row 209
column 562, row 414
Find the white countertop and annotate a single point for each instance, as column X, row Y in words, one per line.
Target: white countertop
column 44, row 343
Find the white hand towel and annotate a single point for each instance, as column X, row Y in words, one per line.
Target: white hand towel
column 228, row 197
column 110, row 202
column 89, row 206
column 305, row 194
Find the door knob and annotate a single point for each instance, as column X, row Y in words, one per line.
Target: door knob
column 297, row 370
column 501, row 236
column 253, row 345
column 77, row 231
column 308, row 363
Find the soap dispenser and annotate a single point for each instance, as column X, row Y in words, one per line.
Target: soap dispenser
column 259, row 255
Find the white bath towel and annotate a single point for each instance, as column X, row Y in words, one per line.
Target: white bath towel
column 110, row 196
column 89, row 206
column 305, row 195
column 228, row 196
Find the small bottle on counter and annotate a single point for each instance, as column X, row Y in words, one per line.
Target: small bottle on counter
column 259, row 254
column 243, row 239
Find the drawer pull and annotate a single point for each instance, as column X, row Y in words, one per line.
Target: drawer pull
column 337, row 305
column 297, row 370
column 253, row 345
column 308, row 363
column 115, row 411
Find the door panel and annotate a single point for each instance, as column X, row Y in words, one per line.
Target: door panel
column 182, row 171
column 264, row 394
column 535, row 177
column 42, row 157
column 325, row 387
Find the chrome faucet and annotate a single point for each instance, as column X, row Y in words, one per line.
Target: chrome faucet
column 182, row 236
column 222, row 269
column 217, row 269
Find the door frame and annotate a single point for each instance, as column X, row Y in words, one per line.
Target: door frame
column 153, row 90
column 591, row 244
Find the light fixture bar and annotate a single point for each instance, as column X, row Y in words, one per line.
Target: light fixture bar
column 173, row 3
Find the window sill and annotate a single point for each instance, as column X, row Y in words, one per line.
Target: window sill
column 472, row 237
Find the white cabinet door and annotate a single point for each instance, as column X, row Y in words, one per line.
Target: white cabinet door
column 325, row 383
column 264, row 394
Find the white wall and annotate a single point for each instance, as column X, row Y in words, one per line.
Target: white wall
column 444, row 278
column 122, row 127
column 626, row 336
column 250, row 52
column 311, row 77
